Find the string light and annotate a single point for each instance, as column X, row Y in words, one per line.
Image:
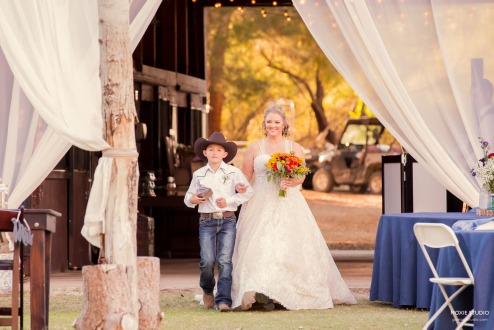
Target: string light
column 263, row 11
column 274, row 3
column 288, row 18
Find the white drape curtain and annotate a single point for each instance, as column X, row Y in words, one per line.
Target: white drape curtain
column 420, row 65
column 49, row 61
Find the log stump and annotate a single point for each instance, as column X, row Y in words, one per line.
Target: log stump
column 107, row 303
column 148, row 291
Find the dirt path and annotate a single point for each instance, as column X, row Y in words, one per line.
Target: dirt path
column 347, row 221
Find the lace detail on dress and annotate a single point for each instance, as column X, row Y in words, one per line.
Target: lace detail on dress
column 280, row 251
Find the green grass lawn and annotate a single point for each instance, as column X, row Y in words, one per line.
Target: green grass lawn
column 183, row 312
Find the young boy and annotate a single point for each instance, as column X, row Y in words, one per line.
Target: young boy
column 214, row 188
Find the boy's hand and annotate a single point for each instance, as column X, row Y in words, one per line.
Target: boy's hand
column 240, row 188
column 196, row 199
column 221, row 202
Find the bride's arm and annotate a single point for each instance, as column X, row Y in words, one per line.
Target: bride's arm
column 248, row 162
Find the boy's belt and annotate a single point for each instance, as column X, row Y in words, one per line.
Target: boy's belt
column 217, row 215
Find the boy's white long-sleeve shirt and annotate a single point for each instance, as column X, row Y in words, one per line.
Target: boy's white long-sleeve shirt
column 222, row 183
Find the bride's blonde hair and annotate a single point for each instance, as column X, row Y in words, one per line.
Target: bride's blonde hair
column 274, row 108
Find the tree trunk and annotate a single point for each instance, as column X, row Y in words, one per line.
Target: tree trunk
column 148, row 274
column 216, row 73
column 111, row 290
column 107, row 302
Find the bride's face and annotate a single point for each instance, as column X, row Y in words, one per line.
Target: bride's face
column 274, row 124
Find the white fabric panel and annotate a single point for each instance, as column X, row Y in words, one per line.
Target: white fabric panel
column 411, row 62
column 52, row 47
column 94, row 220
column 141, row 12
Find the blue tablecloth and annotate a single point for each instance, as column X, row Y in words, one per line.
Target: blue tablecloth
column 478, row 248
column 400, row 272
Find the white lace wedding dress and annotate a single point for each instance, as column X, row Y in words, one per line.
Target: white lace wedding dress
column 280, row 251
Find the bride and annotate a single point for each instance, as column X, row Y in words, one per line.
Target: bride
column 280, row 254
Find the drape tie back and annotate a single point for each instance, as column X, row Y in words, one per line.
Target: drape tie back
column 114, row 152
column 94, row 220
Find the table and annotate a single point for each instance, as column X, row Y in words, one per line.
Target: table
column 42, row 223
column 400, row 272
column 477, row 246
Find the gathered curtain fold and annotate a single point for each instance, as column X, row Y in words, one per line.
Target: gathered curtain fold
column 50, row 94
column 420, row 66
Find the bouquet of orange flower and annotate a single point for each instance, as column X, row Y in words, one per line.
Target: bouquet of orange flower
column 283, row 165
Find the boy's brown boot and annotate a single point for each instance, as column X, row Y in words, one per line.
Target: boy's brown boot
column 208, row 299
column 224, row 307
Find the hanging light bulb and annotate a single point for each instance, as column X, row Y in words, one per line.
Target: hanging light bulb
column 253, row 2
column 285, row 13
column 275, row 3
column 263, row 13
column 288, row 18
column 240, row 9
column 217, row 5
column 194, row 0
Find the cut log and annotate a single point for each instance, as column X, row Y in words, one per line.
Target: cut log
column 107, row 303
column 148, row 288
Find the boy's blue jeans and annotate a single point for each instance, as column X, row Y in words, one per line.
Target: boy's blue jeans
column 217, row 240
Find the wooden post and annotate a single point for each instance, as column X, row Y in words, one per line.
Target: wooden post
column 119, row 113
column 120, row 245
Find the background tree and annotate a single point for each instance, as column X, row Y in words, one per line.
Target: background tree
column 270, row 58
column 218, row 22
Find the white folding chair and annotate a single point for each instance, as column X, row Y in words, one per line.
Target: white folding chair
column 438, row 235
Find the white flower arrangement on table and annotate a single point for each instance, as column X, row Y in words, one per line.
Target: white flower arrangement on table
column 484, row 169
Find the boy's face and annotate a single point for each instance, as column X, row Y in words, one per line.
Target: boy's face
column 215, row 153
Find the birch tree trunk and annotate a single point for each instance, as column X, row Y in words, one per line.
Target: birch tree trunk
column 119, row 113
column 111, row 298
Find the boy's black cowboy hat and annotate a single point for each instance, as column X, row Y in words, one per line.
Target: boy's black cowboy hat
column 215, row 138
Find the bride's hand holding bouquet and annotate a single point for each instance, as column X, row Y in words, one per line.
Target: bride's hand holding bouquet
column 285, row 166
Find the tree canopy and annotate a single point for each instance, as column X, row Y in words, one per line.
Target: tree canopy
column 255, row 60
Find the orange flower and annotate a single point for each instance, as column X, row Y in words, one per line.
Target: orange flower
column 284, row 165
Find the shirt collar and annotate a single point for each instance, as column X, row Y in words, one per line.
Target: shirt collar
column 222, row 167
